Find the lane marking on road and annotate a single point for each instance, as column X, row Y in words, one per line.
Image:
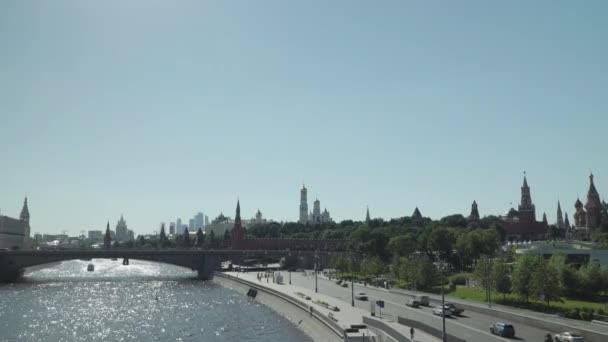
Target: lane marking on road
column 399, row 306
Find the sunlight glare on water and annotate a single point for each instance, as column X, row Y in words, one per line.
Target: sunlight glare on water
column 143, row 301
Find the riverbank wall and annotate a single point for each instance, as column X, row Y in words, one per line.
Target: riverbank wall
column 315, row 325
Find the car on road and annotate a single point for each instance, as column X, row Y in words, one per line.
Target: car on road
column 455, row 310
column 413, row 303
column 502, row 329
column 423, row 300
column 569, row 336
column 344, row 284
column 442, row 311
column 361, row 296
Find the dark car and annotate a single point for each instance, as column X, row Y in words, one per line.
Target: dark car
column 502, row 329
column 455, row 310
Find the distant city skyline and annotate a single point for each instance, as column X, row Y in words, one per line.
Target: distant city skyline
column 103, row 111
column 553, row 216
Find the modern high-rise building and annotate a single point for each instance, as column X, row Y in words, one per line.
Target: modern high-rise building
column 172, row 228
column 198, row 222
column 95, row 235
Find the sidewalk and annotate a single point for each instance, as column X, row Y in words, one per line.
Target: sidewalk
column 347, row 315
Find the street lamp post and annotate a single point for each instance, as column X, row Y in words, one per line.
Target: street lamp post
column 316, row 283
column 443, row 334
column 352, row 280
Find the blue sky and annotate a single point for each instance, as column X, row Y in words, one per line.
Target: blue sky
column 159, row 109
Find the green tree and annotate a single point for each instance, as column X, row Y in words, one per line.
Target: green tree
column 163, row 240
column 522, row 276
column 402, row 245
column 186, row 238
column 591, row 279
column 200, row 238
column 373, row 266
column 489, row 241
column 483, row 273
column 422, row 273
column 442, row 241
column 544, row 281
column 116, row 244
column 501, row 278
column 227, row 238
column 212, row 239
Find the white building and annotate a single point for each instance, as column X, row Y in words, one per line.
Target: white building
column 219, row 226
column 315, row 216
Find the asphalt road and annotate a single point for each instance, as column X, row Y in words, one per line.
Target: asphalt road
column 471, row 326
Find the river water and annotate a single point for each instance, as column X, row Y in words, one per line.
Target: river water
column 143, row 301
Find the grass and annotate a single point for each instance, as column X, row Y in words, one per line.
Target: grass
column 566, row 304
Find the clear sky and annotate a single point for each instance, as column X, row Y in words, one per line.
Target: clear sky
column 160, row 109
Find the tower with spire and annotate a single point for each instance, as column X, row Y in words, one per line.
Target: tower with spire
column 474, row 216
column 303, row 205
column 593, row 206
column 527, row 210
column 107, row 239
column 416, row 215
column 560, row 219
column 367, row 218
column 521, row 225
column 25, row 217
column 238, row 232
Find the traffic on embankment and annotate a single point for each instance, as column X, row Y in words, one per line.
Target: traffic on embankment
column 473, row 325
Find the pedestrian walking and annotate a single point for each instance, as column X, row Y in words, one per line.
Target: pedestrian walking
column 412, row 334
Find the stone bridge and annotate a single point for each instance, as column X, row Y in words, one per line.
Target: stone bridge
column 205, row 262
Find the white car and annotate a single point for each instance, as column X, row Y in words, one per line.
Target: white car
column 361, row 296
column 441, row 312
column 569, row 336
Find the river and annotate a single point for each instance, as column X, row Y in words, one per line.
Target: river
column 143, row 301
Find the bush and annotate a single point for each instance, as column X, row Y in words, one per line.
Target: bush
column 459, row 279
column 586, row 314
column 573, row 313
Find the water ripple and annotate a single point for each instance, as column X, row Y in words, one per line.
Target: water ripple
column 144, row 301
